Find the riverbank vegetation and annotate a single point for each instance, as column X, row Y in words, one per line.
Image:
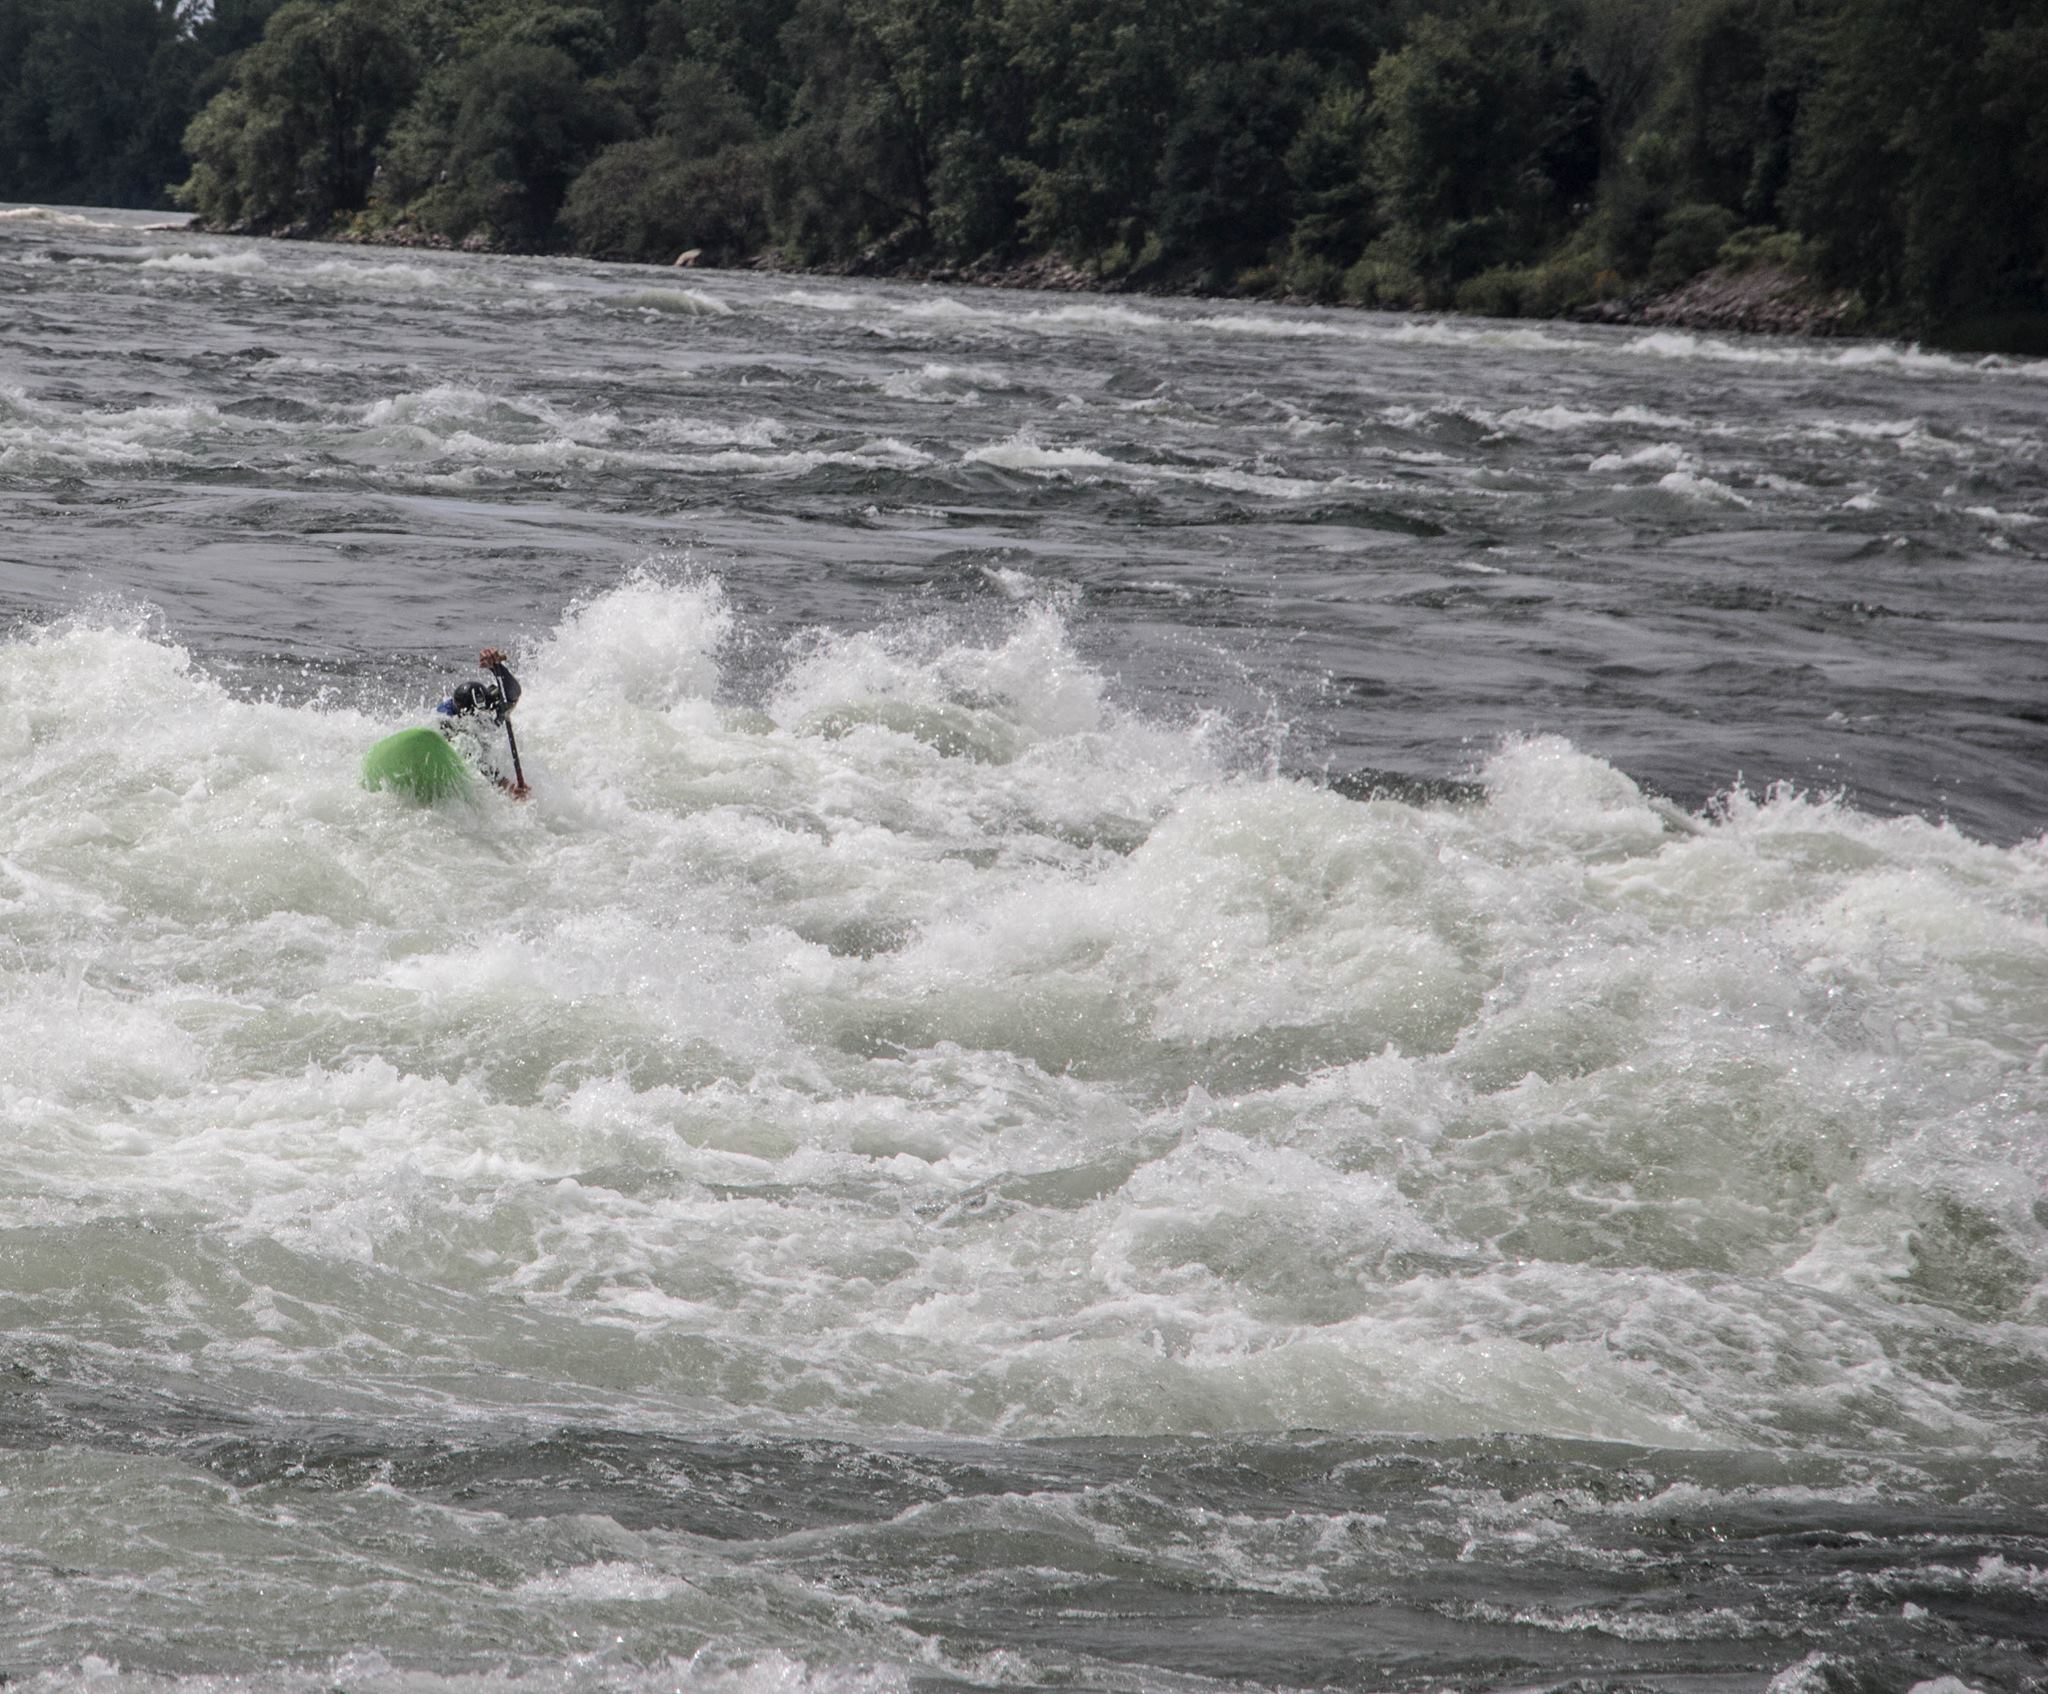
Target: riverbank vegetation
column 1517, row 156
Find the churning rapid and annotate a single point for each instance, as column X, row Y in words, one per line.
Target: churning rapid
column 1194, row 998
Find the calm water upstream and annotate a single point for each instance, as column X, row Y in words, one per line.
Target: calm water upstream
column 1199, row 998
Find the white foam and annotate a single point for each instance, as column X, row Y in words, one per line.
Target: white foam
column 1861, row 355
column 682, row 302
column 756, row 432
column 819, row 301
column 884, row 452
column 37, row 437
column 1695, row 486
column 653, row 641
column 246, row 262
column 946, row 310
column 2004, row 520
column 928, row 1044
column 57, row 217
column 1013, row 584
column 1574, row 420
column 945, row 384
column 451, row 406
column 1024, row 452
column 399, row 277
column 1445, row 332
column 729, row 1670
column 1662, row 455
column 1099, row 315
column 1269, row 486
column 489, row 436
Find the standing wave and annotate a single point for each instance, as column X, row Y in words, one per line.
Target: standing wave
column 928, row 1043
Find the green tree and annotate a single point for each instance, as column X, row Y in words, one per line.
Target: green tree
column 1626, row 48
column 701, row 112
column 699, row 181
column 583, row 34
column 1104, row 80
column 1737, row 76
column 1486, row 140
column 882, row 96
column 1225, row 196
column 491, row 145
column 2015, row 71
column 232, row 26
column 1412, row 147
column 741, row 40
column 293, row 137
column 1920, row 164
column 1343, row 38
column 94, row 96
column 1326, row 164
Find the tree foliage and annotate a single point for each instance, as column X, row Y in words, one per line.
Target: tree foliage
column 1486, row 137
column 1335, row 196
column 294, row 136
column 95, row 95
column 489, row 148
column 1920, row 169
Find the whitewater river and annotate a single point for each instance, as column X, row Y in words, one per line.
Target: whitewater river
column 1197, row 998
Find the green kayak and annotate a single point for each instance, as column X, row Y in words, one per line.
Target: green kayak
column 418, row 763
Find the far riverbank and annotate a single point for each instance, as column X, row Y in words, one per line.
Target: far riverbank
column 1761, row 299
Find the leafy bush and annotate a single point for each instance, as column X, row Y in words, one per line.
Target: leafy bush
column 1546, row 290
column 1495, row 293
column 1631, row 208
column 1384, row 279
column 1760, row 245
column 1321, row 280
column 1692, row 239
column 644, row 200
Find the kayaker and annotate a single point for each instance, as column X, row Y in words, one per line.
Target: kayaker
column 464, row 714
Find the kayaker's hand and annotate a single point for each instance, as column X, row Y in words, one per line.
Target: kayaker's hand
column 488, row 657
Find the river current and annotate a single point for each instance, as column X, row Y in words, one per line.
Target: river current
column 1196, row 998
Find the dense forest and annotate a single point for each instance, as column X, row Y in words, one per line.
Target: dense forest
column 1517, row 156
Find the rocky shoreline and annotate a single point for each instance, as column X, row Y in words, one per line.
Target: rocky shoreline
column 1758, row 300
column 1754, row 300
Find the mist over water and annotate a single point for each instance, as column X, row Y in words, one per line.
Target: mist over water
column 1195, row 998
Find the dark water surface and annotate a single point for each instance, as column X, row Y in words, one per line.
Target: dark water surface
column 1197, row 997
